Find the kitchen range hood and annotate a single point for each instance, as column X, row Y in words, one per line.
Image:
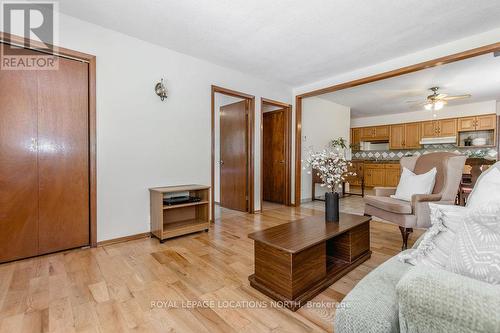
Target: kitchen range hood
column 439, row 141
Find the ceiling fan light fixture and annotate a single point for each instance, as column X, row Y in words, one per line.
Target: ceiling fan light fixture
column 434, row 105
column 438, row 105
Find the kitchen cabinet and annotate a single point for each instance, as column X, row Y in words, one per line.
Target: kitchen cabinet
column 397, row 137
column 367, row 133
column 428, row 129
column 375, row 133
column 467, row 124
column 412, row 136
column 439, row 128
column 392, row 175
column 479, row 123
column 488, row 122
column 470, row 128
column 409, row 135
column 355, row 139
column 447, row 127
column 405, row 136
column 374, row 176
column 381, row 174
column 382, row 132
column 358, row 168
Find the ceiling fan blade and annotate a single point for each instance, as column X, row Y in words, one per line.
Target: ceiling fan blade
column 451, row 98
column 414, row 101
column 417, row 103
column 441, row 96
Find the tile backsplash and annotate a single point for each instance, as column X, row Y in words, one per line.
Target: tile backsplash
column 397, row 154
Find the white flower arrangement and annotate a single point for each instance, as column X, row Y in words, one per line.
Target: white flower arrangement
column 331, row 166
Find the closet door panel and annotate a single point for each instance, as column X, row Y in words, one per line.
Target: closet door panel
column 63, row 155
column 18, row 165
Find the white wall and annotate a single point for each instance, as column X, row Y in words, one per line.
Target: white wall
column 464, row 110
column 322, row 121
column 220, row 100
column 141, row 141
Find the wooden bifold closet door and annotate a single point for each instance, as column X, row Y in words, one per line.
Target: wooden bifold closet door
column 44, row 160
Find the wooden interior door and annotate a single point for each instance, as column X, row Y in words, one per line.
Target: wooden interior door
column 18, row 164
column 63, row 157
column 274, row 145
column 233, row 156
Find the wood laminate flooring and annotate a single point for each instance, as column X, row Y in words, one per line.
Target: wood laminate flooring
column 195, row 283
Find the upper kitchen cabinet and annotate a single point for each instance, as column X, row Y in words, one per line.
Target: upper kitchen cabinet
column 478, row 131
column 382, row 132
column 412, row 136
column 447, row 127
column 467, row 124
column 397, row 137
column 428, row 129
column 375, row 133
column 355, row 139
column 479, row 123
column 488, row 122
column 405, row 136
column 439, row 128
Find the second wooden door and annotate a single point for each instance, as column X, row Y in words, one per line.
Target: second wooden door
column 233, row 156
column 274, row 145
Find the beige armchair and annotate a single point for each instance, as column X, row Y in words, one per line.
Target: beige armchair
column 416, row 214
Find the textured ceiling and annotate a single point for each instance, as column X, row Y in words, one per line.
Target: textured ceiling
column 292, row 41
column 478, row 76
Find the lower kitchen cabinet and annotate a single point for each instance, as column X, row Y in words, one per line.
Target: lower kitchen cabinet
column 381, row 174
column 392, row 175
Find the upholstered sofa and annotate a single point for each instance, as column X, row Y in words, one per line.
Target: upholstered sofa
column 399, row 297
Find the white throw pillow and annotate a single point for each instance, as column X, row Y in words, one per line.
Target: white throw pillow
column 411, row 184
column 486, row 190
column 476, row 250
column 435, row 248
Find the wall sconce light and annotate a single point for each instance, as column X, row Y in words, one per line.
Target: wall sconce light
column 161, row 90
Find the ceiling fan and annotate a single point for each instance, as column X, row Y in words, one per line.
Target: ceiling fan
column 437, row 101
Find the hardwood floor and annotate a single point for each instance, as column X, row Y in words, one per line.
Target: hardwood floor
column 133, row 286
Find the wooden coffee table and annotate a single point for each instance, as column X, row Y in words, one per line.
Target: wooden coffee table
column 296, row 261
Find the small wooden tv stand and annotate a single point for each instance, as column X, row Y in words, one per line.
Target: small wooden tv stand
column 179, row 219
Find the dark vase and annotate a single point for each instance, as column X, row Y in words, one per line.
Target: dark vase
column 331, row 207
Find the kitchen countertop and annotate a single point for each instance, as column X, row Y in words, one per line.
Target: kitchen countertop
column 376, row 161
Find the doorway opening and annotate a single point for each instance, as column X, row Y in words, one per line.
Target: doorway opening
column 275, row 153
column 232, row 151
